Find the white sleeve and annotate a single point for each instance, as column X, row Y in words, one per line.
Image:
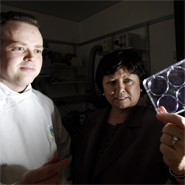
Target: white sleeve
column 63, row 142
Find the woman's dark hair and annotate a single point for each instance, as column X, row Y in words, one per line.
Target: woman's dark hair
column 115, row 60
column 17, row 16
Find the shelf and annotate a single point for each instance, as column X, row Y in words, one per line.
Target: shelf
column 137, row 44
column 59, row 66
column 70, row 99
column 69, row 82
column 106, row 52
column 71, row 96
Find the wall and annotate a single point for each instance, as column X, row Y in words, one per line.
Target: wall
column 52, row 28
column 121, row 15
column 162, row 45
column 117, row 17
column 128, row 13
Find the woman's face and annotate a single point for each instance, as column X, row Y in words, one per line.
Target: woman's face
column 122, row 90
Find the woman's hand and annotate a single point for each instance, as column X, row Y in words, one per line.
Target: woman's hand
column 173, row 152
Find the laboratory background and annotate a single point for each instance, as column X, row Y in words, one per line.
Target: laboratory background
column 77, row 34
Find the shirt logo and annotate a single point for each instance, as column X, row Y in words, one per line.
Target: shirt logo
column 51, row 130
column 50, row 133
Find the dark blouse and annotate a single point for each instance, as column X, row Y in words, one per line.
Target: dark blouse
column 107, row 136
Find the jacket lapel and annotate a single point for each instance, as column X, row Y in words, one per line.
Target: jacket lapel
column 93, row 141
column 123, row 138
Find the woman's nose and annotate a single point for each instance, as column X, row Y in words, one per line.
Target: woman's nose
column 120, row 87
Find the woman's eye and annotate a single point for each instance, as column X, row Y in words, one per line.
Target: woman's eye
column 111, row 82
column 127, row 80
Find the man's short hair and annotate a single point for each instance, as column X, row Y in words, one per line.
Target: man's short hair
column 17, row 16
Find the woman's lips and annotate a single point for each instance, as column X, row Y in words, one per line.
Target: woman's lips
column 122, row 98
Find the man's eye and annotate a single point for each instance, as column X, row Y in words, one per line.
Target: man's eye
column 19, row 48
column 38, row 51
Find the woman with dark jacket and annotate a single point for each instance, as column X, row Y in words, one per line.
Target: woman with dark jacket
column 121, row 143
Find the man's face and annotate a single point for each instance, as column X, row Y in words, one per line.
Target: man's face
column 21, row 54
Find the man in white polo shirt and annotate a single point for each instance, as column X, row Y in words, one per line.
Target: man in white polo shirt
column 33, row 143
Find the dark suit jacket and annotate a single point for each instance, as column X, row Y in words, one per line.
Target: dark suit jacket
column 133, row 156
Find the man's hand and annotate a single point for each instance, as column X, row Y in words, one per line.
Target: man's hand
column 46, row 174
